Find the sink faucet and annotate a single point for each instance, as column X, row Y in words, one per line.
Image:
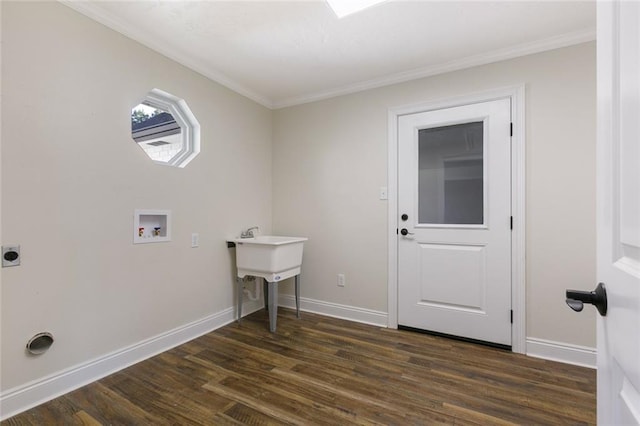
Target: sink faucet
column 249, row 232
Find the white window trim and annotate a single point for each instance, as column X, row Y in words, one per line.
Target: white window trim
column 190, row 126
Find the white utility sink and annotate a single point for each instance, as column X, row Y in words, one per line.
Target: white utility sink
column 273, row 258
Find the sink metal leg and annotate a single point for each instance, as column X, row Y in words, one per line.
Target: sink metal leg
column 297, row 286
column 240, row 287
column 265, row 291
column 273, row 306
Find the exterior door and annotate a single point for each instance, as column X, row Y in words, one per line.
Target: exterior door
column 454, row 201
column 619, row 211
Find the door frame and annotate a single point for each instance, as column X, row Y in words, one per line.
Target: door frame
column 518, row 278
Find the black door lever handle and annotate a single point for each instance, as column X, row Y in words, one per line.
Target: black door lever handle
column 576, row 299
column 576, row 305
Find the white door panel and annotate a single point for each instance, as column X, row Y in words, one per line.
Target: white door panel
column 454, row 263
column 619, row 211
column 462, row 288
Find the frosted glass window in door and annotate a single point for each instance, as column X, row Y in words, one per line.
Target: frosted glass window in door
column 450, row 175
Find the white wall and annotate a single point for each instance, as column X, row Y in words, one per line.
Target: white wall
column 330, row 158
column 72, row 177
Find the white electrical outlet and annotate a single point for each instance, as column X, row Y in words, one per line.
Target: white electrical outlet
column 340, row 280
column 195, row 240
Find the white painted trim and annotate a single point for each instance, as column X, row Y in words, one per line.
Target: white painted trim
column 562, row 352
column 392, row 217
column 180, row 111
column 350, row 313
column 538, row 46
column 518, row 288
column 29, row 395
column 92, row 11
column 1, row 240
column 518, row 211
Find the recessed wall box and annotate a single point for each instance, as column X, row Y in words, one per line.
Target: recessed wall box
column 151, row 226
column 10, row 256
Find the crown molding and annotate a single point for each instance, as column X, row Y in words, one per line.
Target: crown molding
column 538, row 46
column 94, row 12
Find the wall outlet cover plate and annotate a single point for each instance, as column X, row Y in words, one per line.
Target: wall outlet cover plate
column 10, row 256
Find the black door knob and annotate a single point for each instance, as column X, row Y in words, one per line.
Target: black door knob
column 404, row 231
column 404, row 216
column 576, row 299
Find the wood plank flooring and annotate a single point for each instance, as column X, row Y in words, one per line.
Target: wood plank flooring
column 324, row 371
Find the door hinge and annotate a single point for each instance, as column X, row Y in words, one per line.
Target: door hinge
column 510, row 223
column 512, row 316
column 510, row 129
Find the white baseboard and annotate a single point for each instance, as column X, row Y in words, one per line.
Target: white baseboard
column 562, row 352
column 24, row 397
column 351, row 313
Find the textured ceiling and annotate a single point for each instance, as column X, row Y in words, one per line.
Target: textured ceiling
column 282, row 53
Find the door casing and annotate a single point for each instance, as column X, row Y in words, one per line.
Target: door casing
column 518, row 303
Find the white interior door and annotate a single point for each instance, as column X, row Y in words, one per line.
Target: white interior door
column 454, row 208
column 619, row 211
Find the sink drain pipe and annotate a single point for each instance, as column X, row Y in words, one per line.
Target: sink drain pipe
column 256, row 291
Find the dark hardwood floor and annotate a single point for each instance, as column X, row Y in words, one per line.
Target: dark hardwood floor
column 318, row 370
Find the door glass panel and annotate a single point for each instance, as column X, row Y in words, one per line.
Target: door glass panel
column 450, row 175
